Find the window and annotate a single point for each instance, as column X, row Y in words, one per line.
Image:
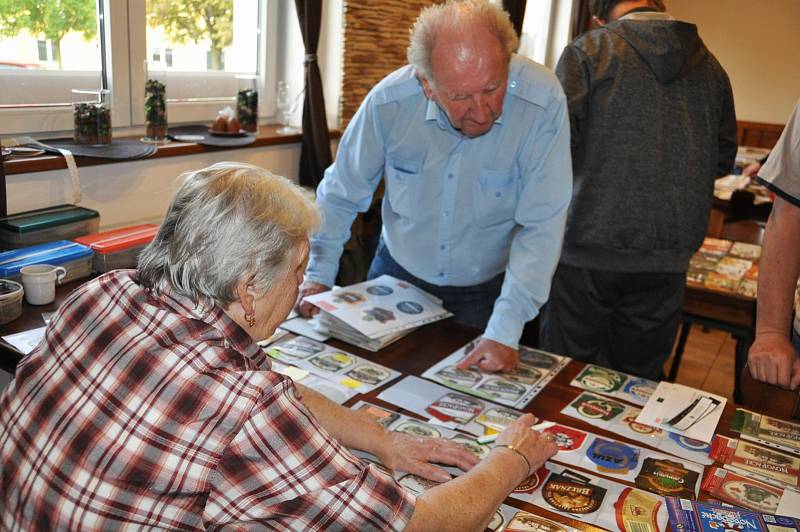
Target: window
column 203, row 46
column 43, row 57
column 42, row 47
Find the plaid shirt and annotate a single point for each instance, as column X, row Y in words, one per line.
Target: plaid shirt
column 139, row 411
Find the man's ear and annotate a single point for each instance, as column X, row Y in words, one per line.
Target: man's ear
column 426, row 87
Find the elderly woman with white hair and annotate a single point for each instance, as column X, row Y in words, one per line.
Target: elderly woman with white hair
column 149, row 403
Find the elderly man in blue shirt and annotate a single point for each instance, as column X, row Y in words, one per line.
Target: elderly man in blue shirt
column 473, row 145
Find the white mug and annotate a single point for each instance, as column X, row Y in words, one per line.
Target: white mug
column 39, row 281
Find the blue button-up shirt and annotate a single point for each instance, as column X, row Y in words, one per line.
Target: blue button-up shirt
column 457, row 210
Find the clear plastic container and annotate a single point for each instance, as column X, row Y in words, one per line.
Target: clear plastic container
column 10, row 300
column 91, row 112
column 75, row 258
column 62, row 222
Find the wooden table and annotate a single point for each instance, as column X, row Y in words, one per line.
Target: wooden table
column 418, row 351
column 411, row 355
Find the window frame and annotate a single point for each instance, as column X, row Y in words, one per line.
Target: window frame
column 126, row 50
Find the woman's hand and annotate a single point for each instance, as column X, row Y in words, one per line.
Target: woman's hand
column 533, row 446
column 416, row 455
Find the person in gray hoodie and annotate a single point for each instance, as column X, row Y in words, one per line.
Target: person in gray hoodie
column 653, row 124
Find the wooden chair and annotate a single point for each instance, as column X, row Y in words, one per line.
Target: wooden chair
column 751, row 232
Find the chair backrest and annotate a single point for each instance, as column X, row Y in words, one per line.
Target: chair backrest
column 750, row 231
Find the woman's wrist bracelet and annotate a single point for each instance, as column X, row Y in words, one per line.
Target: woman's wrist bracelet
column 512, row 448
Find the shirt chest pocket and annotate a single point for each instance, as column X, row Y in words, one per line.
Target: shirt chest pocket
column 495, row 198
column 402, row 186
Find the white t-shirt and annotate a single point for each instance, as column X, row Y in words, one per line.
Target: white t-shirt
column 781, row 174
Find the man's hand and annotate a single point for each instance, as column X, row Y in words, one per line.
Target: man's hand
column 415, row 455
column 772, row 359
column 308, row 288
column 489, row 355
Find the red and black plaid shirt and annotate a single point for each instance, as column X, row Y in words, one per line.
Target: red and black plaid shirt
column 142, row 411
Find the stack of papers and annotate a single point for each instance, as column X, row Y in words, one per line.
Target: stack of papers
column 375, row 313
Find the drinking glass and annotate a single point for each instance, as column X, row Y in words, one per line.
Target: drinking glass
column 286, row 103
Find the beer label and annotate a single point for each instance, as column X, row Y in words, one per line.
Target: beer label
column 572, row 496
column 455, row 407
column 667, row 478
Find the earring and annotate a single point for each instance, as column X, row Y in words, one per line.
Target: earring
column 250, row 318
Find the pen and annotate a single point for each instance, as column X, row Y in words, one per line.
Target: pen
column 544, row 425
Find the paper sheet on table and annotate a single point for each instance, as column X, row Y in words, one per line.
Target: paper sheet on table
column 683, row 410
column 26, row 341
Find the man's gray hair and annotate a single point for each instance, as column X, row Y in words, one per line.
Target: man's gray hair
column 455, row 15
column 227, row 222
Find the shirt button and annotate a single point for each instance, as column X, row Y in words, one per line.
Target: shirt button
column 449, row 176
column 445, row 214
column 442, row 246
column 513, row 84
column 441, row 274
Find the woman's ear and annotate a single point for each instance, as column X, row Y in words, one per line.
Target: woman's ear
column 246, row 296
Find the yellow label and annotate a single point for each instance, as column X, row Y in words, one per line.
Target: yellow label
column 350, row 383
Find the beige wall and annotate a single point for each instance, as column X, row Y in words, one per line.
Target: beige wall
column 758, row 44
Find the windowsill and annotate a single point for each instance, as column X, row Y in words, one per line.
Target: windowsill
column 267, row 137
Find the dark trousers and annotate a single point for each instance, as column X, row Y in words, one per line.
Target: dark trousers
column 625, row 321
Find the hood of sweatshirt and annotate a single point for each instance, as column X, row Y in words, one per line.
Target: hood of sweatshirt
column 666, row 46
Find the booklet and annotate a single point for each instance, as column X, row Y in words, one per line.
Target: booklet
column 338, row 393
column 448, row 408
column 683, row 410
column 692, row 516
column 750, row 493
column 771, row 465
column 331, row 363
column 378, row 307
column 770, row 431
column 514, row 389
column 612, row 383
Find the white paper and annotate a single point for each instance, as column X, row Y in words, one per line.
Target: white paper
column 26, row 341
column 683, row 410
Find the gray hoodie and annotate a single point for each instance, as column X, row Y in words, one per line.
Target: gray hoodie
column 653, row 125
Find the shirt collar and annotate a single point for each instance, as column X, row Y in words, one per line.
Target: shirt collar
column 433, row 112
column 646, row 15
column 233, row 335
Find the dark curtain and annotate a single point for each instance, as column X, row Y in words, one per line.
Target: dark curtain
column 581, row 18
column 3, row 206
column 315, row 155
column 516, row 8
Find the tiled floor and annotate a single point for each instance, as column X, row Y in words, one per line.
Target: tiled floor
column 707, row 362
